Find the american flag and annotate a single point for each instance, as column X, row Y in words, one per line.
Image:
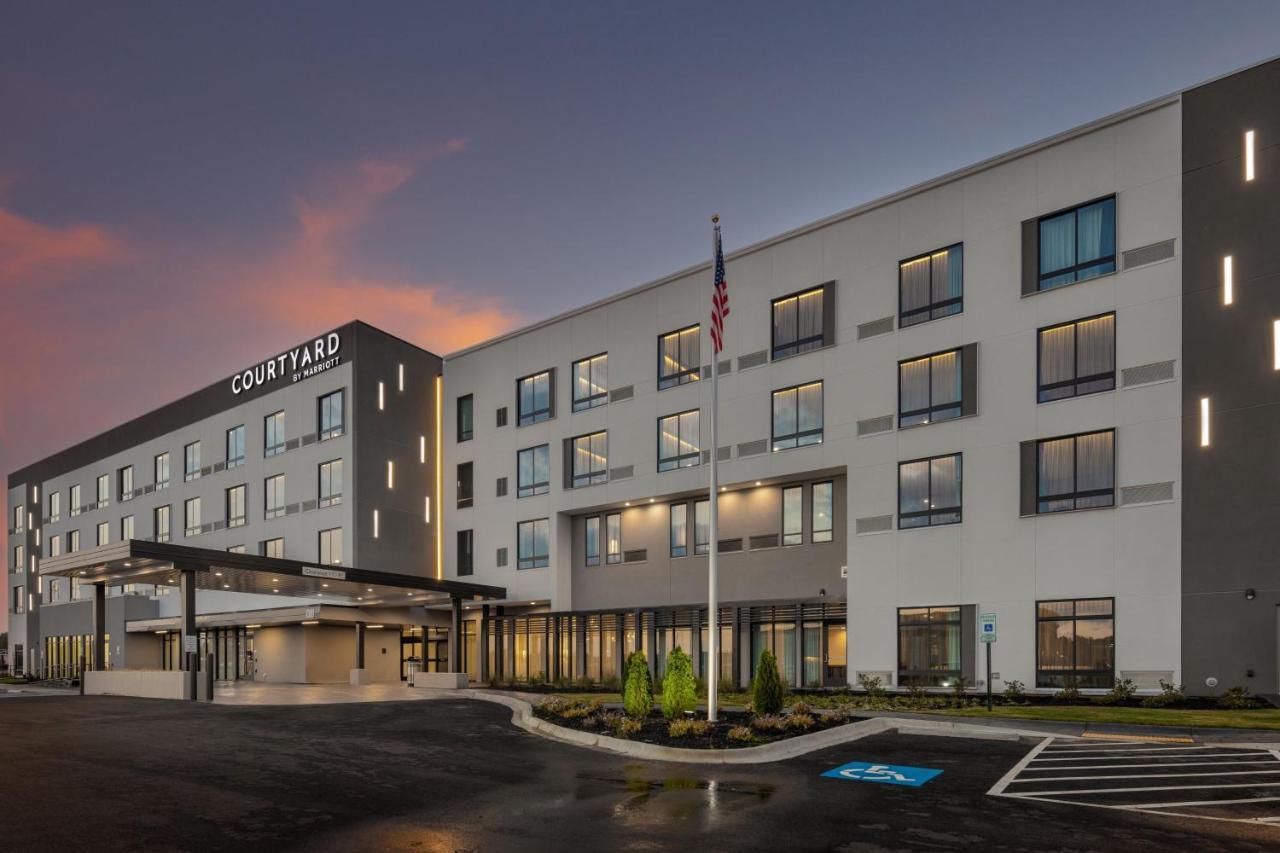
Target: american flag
column 719, row 300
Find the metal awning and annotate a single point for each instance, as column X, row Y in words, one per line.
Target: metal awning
column 162, row 563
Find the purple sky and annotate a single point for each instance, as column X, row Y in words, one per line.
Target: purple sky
column 186, row 188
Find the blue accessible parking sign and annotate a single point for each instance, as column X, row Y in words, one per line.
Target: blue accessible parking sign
column 887, row 774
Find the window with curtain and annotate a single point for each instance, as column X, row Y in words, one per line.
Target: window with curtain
column 1077, row 358
column 124, row 477
column 591, row 382
column 272, row 434
column 1075, row 639
column 797, row 323
column 466, row 417
column 679, row 530
column 466, row 552
column 330, row 483
column 161, row 470
column 678, row 441
column 533, row 471
column 331, row 415
column 104, row 490
column 678, row 357
column 76, row 506
column 823, row 512
column 592, row 543
column 613, row 538
column 1078, row 244
column 533, row 398
column 235, row 448
column 191, row 516
column 236, row 500
column 702, row 527
column 1076, row 472
column 931, row 388
column 273, row 496
column 797, row 416
column 533, row 544
column 466, row 490
column 928, row 646
column 590, row 459
column 929, row 491
column 931, row 286
column 331, row 547
column 159, row 523
column 793, row 515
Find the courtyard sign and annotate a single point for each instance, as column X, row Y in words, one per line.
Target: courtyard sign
column 298, row 363
column 331, row 574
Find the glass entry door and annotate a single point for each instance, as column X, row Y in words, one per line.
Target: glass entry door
column 835, row 667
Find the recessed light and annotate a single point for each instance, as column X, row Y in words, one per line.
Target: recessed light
column 722, row 488
column 215, row 574
column 325, row 585
column 626, row 503
column 311, row 622
column 226, row 586
column 757, row 482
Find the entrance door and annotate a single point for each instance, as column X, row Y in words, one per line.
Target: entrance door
column 835, row 671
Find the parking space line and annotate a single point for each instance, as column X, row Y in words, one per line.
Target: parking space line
column 1130, row 757
column 1133, row 749
column 1004, row 780
column 1088, row 792
column 1191, row 803
column 1142, row 776
column 1137, row 766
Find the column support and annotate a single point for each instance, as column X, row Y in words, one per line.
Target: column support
column 360, row 645
column 499, row 644
column 799, row 655
column 482, row 644
column 455, row 634
column 100, row 627
column 736, row 675
column 187, row 622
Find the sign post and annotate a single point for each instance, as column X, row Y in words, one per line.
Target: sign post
column 987, row 636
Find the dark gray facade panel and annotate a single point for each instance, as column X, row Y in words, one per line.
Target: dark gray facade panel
column 1030, row 256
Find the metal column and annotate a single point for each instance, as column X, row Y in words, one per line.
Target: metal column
column 482, row 644
column 359, row 645
column 187, row 598
column 455, row 635
column 100, row 627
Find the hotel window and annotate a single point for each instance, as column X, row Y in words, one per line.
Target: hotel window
column 678, row 357
column 73, row 541
column 160, row 523
column 679, row 530
column 823, row 512
column 702, row 527
column 55, row 506
column 466, row 417
column 75, row 500
column 126, row 528
column 332, row 416
column 800, row 322
column 235, row 446
column 938, row 387
column 191, row 461
column 466, row 552
column 104, row 490
column 162, row 470
column 797, row 416
column 535, row 398
column 273, row 548
column 533, row 544
column 19, row 559
column 793, row 515
column 273, row 496
column 331, row 483
column 613, row 538
column 1075, row 472
column 592, row 540
column 124, row 479
column 1078, row 358
column 19, row 519
column 104, row 533
column 191, row 516
column 273, row 434
column 931, row 286
column 236, row 506
column 55, row 545
column 1076, row 244
column 331, row 547
column 591, row 382
column 1075, row 639
column 928, row 646
column 465, row 490
column 19, row 603
column 678, row 441
column 590, row 459
column 237, row 549
column 929, row 492
column 533, row 471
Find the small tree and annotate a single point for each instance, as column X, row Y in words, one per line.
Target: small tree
column 679, row 690
column 638, row 698
column 766, row 687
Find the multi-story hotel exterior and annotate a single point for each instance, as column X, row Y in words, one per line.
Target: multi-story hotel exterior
column 1041, row 387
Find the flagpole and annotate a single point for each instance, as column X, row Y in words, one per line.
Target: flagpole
column 713, row 606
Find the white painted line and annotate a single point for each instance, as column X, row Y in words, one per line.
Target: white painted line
column 1137, row 749
column 1137, row 766
column 1128, row 757
column 1188, row 804
column 1089, row 792
column 1142, row 776
column 1004, row 780
column 1096, row 742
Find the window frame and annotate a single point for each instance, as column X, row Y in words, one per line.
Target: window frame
column 103, row 489
column 929, row 412
column 592, row 401
column 74, row 496
column 235, row 461
column 532, row 490
column 332, row 498
column 681, row 549
column 191, row 452
column 320, row 544
column 928, row 310
column 786, row 539
column 334, row 430
column 465, row 401
column 592, row 477
column 155, row 469
column 1075, row 494
column 820, row 432
column 696, row 455
column 124, row 483
column 1077, row 380
column 268, row 510
column 536, row 416
column 1045, row 678
column 957, row 510
column 157, row 533
column 689, row 374
column 701, row 549
column 1075, row 269
column 590, row 559
column 612, row 557
column 273, row 449
column 243, row 518
column 467, row 567
column 927, row 675
column 187, row 528
column 826, row 534
column 467, row 499
column 800, row 345
column 534, row 560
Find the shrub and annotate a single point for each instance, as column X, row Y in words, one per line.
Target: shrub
column 769, row 723
column 689, row 728
column 1235, row 699
column 804, row 722
column 552, row 706
column 871, row 684
column 766, row 687
column 740, row 734
column 958, row 687
column 1170, row 695
column 638, row 697
column 1015, row 692
column 1121, row 692
column 1070, row 691
column 580, row 710
column 917, row 696
column 679, row 691
column 623, row 726
column 800, row 707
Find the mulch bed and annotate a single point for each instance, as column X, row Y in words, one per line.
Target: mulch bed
column 655, row 729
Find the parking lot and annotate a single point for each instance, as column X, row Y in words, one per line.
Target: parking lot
column 115, row 774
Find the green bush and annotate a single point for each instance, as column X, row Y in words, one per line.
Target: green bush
column 871, row 684
column 958, row 695
column 679, row 690
column 1235, row 699
column 689, row 728
column 1121, row 692
column 1070, row 691
column 1015, row 692
column 766, row 687
column 622, row 726
column 1169, row 696
column 638, row 698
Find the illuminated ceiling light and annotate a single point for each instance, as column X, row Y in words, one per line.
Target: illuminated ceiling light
column 311, row 622
column 359, row 598
column 162, row 632
column 1248, row 155
column 215, row 574
column 650, row 500
column 253, row 626
column 226, row 586
column 1228, row 280
column 374, row 626
column 325, row 585
column 1204, row 421
column 757, row 482
column 723, row 488
column 370, row 589
column 127, row 565
column 627, row 503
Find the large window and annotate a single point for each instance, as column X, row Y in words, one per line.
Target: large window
column 702, row 527
column 1078, row 244
column 929, row 491
column 55, row 545
column 162, row 470
column 331, row 546
column 1076, row 472
column 73, row 538
column 124, row 478
column 273, row 500
column 533, row 398
column 466, row 417
column 533, row 544
column 331, row 483
column 678, row 441
column 533, row 471
column 613, row 538
column 797, row 416
column 191, row 517
column 931, row 286
column 678, row 357
column 235, row 446
column 590, row 459
column 1077, row 358
column 466, row 552
column 466, row 485
column 191, row 461
column 76, row 504
column 928, row 646
column 104, row 533
column 104, row 490
column 679, row 530
column 591, row 382
column 273, row 434
column 931, row 388
column 798, row 323
column 160, row 523
column 1076, row 639
column 19, row 559
column 823, row 512
column 236, row 506
column 55, row 506
column 331, row 414
column 126, row 528
column 592, row 541
column 793, row 515
column 273, row 548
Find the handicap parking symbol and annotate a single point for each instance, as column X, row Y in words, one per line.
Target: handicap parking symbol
column 887, row 774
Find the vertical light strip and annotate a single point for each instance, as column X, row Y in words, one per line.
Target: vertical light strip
column 1204, row 421
column 400, row 377
column 1275, row 344
column 1228, row 280
column 35, row 494
column 375, row 524
column 422, row 449
column 439, row 476
column 382, row 397
column 426, row 509
column 1248, row 155
column 391, row 474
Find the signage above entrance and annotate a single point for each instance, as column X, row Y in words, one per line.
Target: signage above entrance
column 330, row 574
column 298, row 363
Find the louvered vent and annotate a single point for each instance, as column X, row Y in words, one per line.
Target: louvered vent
column 501, row 559
column 1146, row 374
column 753, row 359
column 639, row 555
column 502, row 487
column 1149, row 493
column 292, row 509
column 768, row 540
column 309, row 438
column 219, row 466
column 872, row 426
column 622, row 472
column 726, row 453
column 873, row 524
column 219, row 525
column 882, row 326
column 753, row 448
column 502, row 416
column 292, row 444
column 728, row 546
column 626, row 392
column 1144, row 255
column 307, row 506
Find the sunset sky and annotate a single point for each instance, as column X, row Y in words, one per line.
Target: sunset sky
column 187, row 188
